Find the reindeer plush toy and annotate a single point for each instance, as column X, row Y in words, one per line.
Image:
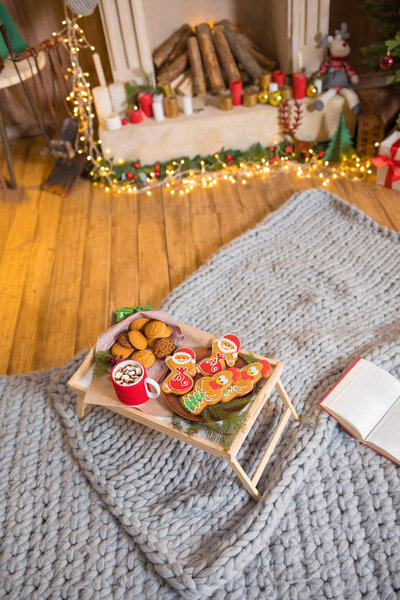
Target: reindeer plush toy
column 339, row 73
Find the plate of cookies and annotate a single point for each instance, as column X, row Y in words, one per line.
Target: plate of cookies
column 201, row 377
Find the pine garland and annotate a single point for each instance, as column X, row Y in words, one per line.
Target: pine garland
column 133, row 173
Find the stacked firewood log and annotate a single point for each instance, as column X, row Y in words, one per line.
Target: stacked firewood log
column 201, row 60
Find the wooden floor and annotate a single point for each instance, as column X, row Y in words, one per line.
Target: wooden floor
column 65, row 263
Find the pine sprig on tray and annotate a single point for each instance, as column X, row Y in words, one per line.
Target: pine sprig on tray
column 102, row 363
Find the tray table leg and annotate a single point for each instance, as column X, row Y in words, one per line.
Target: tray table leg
column 80, row 406
column 285, row 399
column 244, row 478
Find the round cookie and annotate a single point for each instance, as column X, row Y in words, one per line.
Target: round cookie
column 123, row 340
column 118, row 350
column 145, row 357
column 155, row 329
column 151, row 342
column 167, row 332
column 138, row 324
column 137, row 339
column 163, row 347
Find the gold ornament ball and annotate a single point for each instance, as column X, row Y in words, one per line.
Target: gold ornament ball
column 312, row 91
column 263, row 97
column 276, row 98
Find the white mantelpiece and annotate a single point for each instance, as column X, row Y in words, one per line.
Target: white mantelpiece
column 211, row 130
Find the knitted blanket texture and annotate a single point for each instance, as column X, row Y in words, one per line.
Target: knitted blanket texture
column 105, row 508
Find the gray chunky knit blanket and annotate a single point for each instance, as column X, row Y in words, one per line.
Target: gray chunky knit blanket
column 104, row 508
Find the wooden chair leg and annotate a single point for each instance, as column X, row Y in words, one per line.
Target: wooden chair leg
column 285, row 399
column 244, row 478
column 7, row 151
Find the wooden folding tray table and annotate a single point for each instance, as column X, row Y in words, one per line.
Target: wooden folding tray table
column 159, row 424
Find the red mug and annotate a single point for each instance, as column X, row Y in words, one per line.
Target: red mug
column 138, row 392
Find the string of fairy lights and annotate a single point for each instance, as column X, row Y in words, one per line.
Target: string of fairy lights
column 178, row 177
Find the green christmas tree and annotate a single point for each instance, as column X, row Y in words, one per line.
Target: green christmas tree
column 388, row 13
column 16, row 40
column 341, row 143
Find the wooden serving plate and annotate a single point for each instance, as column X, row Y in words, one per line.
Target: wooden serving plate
column 173, row 400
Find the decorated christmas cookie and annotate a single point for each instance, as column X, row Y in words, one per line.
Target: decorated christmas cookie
column 183, row 366
column 244, row 379
column 225, row 350
column 207, row 391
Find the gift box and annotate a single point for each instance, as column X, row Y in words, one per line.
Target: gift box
column 388, row 162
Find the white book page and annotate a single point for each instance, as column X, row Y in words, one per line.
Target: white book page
column 363, row 396
column 386, row 435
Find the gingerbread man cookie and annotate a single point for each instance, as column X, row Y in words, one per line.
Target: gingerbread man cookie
column 244, row 379
column 224, row 350
column 207, row 391
column 183, row 365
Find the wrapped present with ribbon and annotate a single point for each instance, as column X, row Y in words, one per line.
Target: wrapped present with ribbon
column 388, row 162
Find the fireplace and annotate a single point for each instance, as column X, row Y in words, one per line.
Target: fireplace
column 287, row 30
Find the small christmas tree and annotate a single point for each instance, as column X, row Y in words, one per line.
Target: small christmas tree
column 16, row 40
column 341, row 143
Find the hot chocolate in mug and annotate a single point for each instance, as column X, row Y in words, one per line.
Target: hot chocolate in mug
column 131, row 384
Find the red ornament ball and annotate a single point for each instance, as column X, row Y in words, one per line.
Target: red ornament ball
column 271, row 148
column 136, row 165
column 157, row 173
column 124, row 121
column 129, row 175
column 228, row 157
column 386, row 62
column 321, row 153
column 288, row 149
column 157, row 167
column 273, row 159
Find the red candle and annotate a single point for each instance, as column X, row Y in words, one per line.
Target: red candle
column 146, row 103
column 299, row 85
column 236, row 88
column 279, row 77
column 135, row 115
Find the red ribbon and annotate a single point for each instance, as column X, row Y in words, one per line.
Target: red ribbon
column 393, row 165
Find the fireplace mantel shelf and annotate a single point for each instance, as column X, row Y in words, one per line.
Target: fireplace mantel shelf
column 212, row 129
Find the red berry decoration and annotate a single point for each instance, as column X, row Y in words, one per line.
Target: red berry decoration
column 386, row 62
column 228, row 157
column 289, row 149
column 271, row 148
column 157, row 173
column 124, row 121
column 129, row 174
column 157, row 167
column 321, row 153
column 136, row 165
column 273, row 159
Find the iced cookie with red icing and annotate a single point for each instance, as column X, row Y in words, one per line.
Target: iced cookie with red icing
column 244, row 379
column 224, row 350
column 183, row 367
column 206, row 391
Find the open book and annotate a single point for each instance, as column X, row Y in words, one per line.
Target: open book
column 366, row 401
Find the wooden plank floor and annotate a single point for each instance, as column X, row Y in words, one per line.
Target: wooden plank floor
column 65, row 263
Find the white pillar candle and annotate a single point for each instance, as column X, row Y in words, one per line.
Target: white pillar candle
column 102, row 102
column 318, row 85
column 118, row 97
column 158, row 109
column 273, row 86
column 99, row 69
column 112, row 121
column 187, row 105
